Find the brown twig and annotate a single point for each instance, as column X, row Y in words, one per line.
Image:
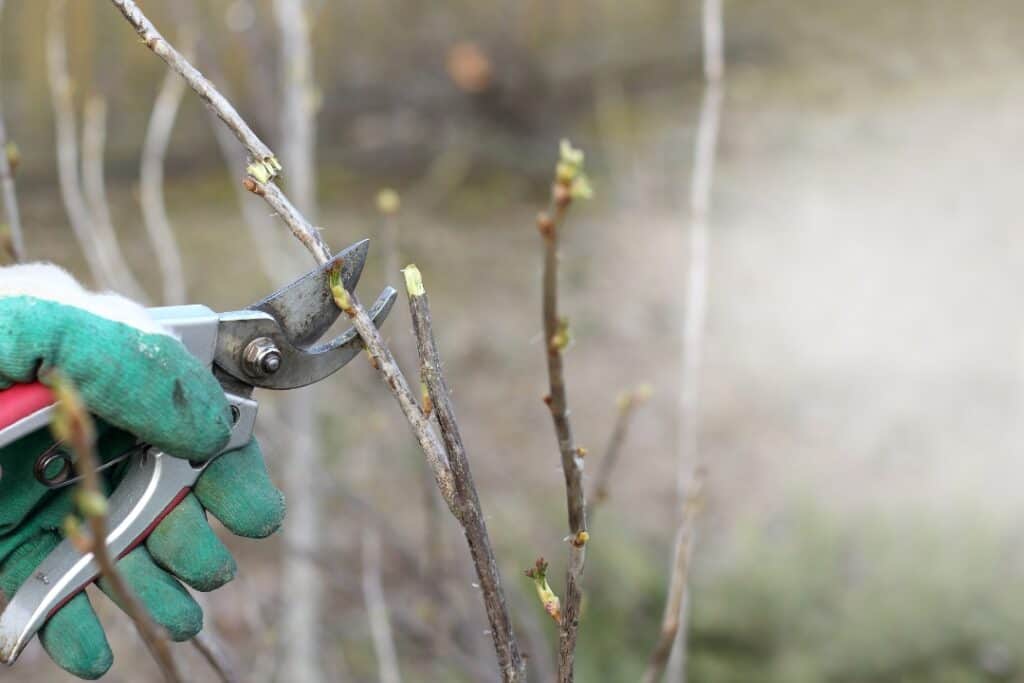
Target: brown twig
column 377, row 610
column 17, row 238
column 688, row 462
column 467, row 510
column 627, row 405
column 73, row 425
column 569, row 184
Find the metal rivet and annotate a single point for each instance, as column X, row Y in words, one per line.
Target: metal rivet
column 261, row 357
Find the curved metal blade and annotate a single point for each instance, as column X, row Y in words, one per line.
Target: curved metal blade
column 299, row 365
column 305, row 309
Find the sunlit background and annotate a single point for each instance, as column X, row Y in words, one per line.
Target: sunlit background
column 862, row 385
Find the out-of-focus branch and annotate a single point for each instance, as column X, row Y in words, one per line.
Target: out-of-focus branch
column 377, row 610
column 151, row 187
column 468, row 510
column 10, row 198
column 73, row 425
column 695, row 305
column 94, row 138
column 672, row 621
column 67, row 145
column 570, row 183
column 217, row 656
column 627, row 404
column 301, row 578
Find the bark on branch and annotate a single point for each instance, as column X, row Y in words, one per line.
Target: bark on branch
column 467, row 509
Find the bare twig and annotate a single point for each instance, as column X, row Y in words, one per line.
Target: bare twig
column 10, row 198
column 569, row 183
column 263, row 166
column 151, row 187
column 627, row 404
column 217, row 655
column 67, row 145
column 300, row 577
column 94, row 138
column 74, row 426
column 377, row 610
column 469, row 512
column 672, row 621
column 695, row 305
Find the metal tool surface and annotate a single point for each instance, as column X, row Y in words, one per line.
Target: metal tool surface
column 272, row 344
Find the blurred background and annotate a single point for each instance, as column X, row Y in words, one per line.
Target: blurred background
column 862, row 384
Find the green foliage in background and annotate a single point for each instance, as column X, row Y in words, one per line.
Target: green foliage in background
column 813, row 597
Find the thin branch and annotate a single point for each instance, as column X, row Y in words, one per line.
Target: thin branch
column 74, row 426
column 688, row 458
column 627, row 404
column 10, row 198
column 556, row 339
column 263, row 167
column 67, row 144
column 94, row 139
column 257, row 149
column 301, row 578
column 151, row 188
column 469, row 512
column 377, row 610
column 672, row 622
column 216, row 654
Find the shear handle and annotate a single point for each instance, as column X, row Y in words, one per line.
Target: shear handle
column 153, row 485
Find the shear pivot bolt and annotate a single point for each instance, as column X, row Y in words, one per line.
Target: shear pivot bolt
column 261, row 357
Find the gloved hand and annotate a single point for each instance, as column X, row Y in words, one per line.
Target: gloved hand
column 134, row 377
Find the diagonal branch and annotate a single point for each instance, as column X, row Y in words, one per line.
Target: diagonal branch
column 259, row 180
column 10, row 198
column 469, row 512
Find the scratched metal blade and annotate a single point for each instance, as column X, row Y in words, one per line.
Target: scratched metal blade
column 305, row 309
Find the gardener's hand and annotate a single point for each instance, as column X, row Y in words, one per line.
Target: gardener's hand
column 138, row 379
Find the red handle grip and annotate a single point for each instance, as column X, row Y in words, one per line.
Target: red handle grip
column 21, row 400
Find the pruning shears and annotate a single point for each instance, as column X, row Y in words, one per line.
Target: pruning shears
column 272, row 344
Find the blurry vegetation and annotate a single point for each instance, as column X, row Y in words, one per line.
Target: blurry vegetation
column 816, row 597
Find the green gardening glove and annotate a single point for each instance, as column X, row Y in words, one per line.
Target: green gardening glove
column 142, row 384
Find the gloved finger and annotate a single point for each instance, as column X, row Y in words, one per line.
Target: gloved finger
column 166, row 600
column 142, row 381
column 185, row 545
column 73, row 637
column 237, row 490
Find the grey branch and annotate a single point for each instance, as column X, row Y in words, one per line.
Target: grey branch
column 468, row 510
column 689, row 459
column 94, row 140
column 10, row 198
column 302, row 614
column 67, row 144
column 377, row 610
column 151, row 182
column 672, row 621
